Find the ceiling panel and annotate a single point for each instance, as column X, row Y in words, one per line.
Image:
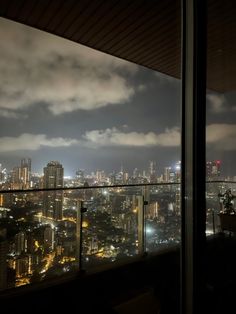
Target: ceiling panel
column 145, row 32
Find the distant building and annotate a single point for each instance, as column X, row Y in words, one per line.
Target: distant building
column 152, row 172
column 135, row 173
column 20, row 243
column 15, row 179
column 20, row 175
column 3, row 174
column 23, row 266
column 53, row 200
column 167, row 171
column 49, row 238
column 213, row 169
column 178, row 171
column 80, row 176
column 25, row 172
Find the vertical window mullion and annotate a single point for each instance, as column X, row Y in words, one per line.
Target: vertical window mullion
column 193, row 154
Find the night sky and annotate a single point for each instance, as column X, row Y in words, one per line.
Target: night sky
column 88, row 110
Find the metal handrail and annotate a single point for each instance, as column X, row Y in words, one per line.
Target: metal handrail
column 87, row 187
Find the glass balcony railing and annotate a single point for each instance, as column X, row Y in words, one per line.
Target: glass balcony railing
column 45, row 234
column 49, row 233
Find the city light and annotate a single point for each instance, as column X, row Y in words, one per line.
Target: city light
column 46, row 225
column 149, row 230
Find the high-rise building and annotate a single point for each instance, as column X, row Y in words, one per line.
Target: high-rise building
column 80, row 176
column 49, row 238
column 3, row 174
column 100, row 175
column 135, row 172
column 178, row 171
column 167, row 171
column 178, row 189
column 213, row 170
column 178, row 200
column 152, row 171
column 126, row 177
column 20, row 175
column 15, row 178
column 53, row 179
column 20, row 243
column 138, row 205
column 25, row 172
column 152, row 211
column 23, row 265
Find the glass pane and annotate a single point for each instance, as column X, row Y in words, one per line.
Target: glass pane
column 112, row 225
column 41, row 235
column 220, row 154
column 162, row 217
column 221, row 96
column 90, row 143
column 107, row 121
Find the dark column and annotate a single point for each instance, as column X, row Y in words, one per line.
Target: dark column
column 193, row 154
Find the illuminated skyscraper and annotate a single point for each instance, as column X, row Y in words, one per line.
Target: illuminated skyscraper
column 25, row 172
column 80, row 176
column 20, row 175
column 53, row 179
column 135, row 173
column 15, row 178
column 3, row 174
column 138, row 203
column 167, row 171
column 178, row 171
column 49, row 238
column 178, row 189
column 152, row 171
column 20, row 243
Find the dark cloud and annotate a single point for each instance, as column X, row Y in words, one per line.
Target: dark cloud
column 115, row 137
column 28, row 142
column 222, row 136
column 38, row 67
column 217, row 102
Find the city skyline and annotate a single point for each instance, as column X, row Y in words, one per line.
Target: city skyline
column 22, row 178
column 64, row 101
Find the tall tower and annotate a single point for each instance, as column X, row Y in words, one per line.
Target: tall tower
column 137, row 204
column 152, row 171
column 3, row 174
column 167, row 171
column 178, row 171
column 20, row 243
column 178, row 188
column 15, row 178
column 53, row 179
column 209, row 170
column 25, row 172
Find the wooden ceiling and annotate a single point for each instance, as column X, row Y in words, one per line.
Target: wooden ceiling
column 144, row 32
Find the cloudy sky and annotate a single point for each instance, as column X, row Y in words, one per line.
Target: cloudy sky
column 63, row 101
